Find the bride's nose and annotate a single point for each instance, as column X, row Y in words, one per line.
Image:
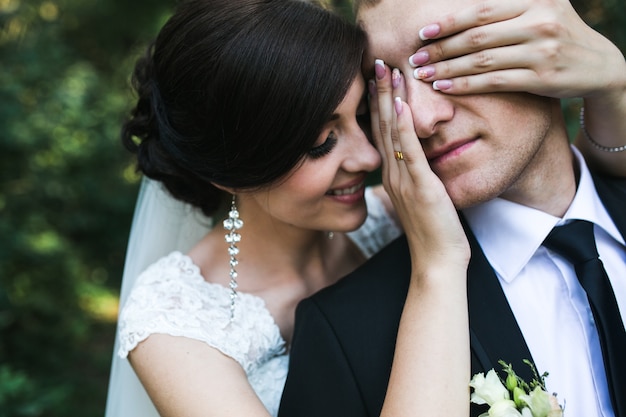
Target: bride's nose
column 361, row 155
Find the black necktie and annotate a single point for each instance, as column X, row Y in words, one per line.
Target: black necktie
column 576, row 243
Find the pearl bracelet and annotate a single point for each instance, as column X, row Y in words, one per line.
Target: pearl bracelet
column 593, row 142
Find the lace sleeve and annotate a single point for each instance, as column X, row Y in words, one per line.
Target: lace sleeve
column 379, row 228
column 171, row 297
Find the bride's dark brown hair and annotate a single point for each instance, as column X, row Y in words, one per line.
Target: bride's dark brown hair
column 235, row 93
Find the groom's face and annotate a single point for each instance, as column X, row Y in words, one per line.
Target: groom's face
column 479, row 145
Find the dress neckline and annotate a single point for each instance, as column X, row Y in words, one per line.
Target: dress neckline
column 193, row 272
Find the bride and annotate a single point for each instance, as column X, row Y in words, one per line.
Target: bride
column 230, row 121
column 252, row 111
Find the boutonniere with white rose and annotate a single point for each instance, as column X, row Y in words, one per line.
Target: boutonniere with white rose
column 514, row 397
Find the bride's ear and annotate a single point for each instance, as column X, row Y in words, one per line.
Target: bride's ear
column 229, row 190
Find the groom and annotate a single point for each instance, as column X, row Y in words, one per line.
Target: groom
column 506, row 162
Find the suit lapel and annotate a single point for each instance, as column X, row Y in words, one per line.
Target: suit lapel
column 495, row 334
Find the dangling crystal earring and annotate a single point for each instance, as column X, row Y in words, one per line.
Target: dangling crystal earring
column 232, row 224
column 330, row 235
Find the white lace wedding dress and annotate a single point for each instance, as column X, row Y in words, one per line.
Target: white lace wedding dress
column 171, row 297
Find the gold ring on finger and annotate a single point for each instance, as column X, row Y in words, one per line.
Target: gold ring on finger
column 398, row 155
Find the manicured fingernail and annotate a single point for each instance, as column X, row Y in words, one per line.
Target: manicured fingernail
column 379, row 68
column 371, row 84
column 418, row 59
column 396, row 77
column 424, row 72
column 398, row 105
column 429, row 32
column 442, row 85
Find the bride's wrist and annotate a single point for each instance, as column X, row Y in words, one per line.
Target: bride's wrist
column 439, row 274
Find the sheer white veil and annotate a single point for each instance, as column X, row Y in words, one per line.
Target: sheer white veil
column 160, row 225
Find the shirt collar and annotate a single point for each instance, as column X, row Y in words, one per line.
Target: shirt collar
column 510, row 233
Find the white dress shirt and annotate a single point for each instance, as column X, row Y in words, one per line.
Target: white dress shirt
column 545, row 296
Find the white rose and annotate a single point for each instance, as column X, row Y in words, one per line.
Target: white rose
column 503, row 408
column 488, row 390
column 542, row 404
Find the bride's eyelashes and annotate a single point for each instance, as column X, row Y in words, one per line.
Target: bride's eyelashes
column 325, row 148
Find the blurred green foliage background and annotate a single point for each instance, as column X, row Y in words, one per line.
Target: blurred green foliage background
column 67, row 189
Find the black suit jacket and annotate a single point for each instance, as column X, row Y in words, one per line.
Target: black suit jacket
column 345, row 335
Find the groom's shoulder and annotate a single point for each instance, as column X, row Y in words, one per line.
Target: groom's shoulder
column 367, row 302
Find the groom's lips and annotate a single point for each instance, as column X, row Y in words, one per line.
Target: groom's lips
column 449, row 151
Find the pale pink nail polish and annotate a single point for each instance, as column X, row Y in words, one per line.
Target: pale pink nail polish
column 441, row 85
column 429, row 32
column 398, row 105
column 395, row 78
column 424, row 72
column 379, row 69
column 372, row 88
column 419, row 58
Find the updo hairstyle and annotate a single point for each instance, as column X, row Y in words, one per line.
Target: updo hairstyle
column 236, row 92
